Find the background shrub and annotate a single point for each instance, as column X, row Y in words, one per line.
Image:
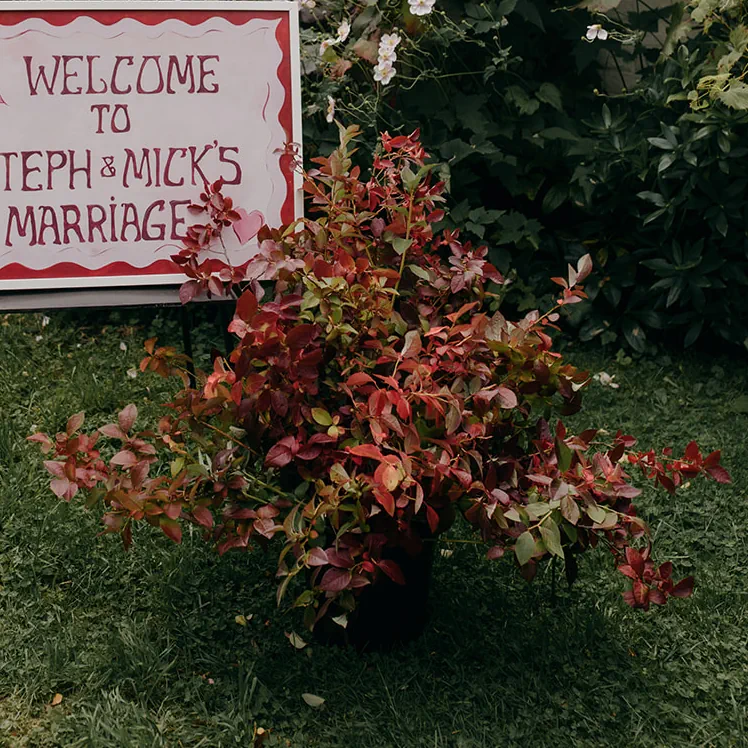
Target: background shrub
column 544, row 166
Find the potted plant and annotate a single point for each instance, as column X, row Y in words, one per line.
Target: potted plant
column 375, row 392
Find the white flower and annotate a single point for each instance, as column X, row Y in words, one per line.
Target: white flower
column 45, row 321
column 389, row 41
column 384, row 72
column 330, row 117
column 343, row 30
column 123, row 346
column 37, row 338
column 132, row 373
column 504, row 22
column 421, row 7
column 596, row 31
column 309, row 4
column 606, row 380
column 326, row 44
column 387, row 54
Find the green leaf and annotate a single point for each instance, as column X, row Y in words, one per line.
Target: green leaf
column 552, row 538
column 665, row 162
column 653, row 197
column 524, row 548
column 564, row 455
column 537, row 510
column 634, row 335
column 401, row 245
column 665, row 145
column 549, row 94
column 420, row 272
column 607, row 117
column 596, row 513
column 693, row 333
column 555, row 197
column 322, row 417
column 736, row 97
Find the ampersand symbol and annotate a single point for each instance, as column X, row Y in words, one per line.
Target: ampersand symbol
column 108, row 169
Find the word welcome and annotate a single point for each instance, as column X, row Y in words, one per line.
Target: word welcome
column 77, row 75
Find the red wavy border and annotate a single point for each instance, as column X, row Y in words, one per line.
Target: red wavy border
column 16, row 271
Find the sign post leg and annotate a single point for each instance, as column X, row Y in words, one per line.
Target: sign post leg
column 186, row 318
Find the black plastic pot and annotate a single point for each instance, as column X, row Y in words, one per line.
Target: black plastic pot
column 387, row 614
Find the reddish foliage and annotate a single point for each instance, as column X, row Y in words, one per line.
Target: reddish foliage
column 375, row 389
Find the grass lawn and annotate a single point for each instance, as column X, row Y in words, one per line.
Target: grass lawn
column 149, row 648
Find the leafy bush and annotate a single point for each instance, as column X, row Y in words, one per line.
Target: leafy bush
column 506, row 94
column 375, row 392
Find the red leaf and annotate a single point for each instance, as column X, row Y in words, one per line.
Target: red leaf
column 656, row 597
column 507, row 398
column 317, row 557
column 188, row 291
column 60, row 487
column 55, row 468
column 113, row 431
column 171, row 528
column 139, row 473
column 666, row 483
column 125, row 458
column 386, row 499
column 719, row 474
column 684, row 588
column 203, row 516
column 496, row 552
column 45, row 442
column 246, row 306
column 339, row 559
column 335, row 580
column 432, row 517
column 712, row 460
column 366, row 450
column 301, row 336
column 635, row 560
column 356, row 380
column 584, row 267
column 282, row 453
column 74, row 423
column 693, row 454
column 127, row 417
column 392, row 570
column 173, row 510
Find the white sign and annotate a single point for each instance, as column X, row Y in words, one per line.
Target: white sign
column 114, row 115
